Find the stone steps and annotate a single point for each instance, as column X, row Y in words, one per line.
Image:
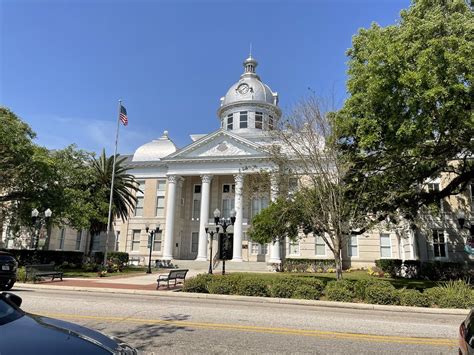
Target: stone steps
column 244, row 266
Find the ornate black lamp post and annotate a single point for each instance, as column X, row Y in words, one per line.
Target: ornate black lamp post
column 211, row 239
column 224, row 223
column 151, row 241
column 38, row 220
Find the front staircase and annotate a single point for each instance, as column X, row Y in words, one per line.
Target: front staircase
column 244, row 266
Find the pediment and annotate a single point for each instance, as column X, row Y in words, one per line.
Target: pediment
column 219, row 144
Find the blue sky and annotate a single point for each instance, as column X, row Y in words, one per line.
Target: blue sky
column 65, row 64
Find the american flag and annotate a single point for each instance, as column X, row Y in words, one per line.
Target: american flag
column 123, row 115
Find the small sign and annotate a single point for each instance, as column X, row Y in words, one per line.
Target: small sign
column 5, row 267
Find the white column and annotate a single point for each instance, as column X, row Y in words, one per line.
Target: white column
column 170, row 213
column 204, row 216
column 275, row 257
column 239, row 185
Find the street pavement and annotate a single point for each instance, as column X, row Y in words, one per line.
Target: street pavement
column 169, row 324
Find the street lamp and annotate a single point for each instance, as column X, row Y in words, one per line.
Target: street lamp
column 469, row 248
column 224, row 223
column 211, row 239
column 38, row 221
column 151, row 241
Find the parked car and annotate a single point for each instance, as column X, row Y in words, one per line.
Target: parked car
column 466, row 335
column 24, row 333
column 8, row 267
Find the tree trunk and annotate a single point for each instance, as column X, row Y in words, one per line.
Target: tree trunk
column 338, row 261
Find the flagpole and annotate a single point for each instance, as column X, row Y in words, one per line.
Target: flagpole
column 109, row 219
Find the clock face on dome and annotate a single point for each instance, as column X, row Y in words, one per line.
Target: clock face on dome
column 243, row 89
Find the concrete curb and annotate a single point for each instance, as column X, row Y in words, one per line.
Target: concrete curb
column 252, row 299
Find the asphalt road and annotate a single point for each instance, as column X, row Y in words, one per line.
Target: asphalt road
column 174, row 325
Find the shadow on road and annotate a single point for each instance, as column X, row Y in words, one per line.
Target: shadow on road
column 142, row 336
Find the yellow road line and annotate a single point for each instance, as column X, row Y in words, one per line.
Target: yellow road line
column 268, row 330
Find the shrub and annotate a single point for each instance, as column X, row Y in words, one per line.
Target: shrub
column 224, row 285
column 390, row 266
column 342, row 291
column 253, row 287
column 307, row 265
column 118, row 258
column 411, row 268
column 198, row 284
column 361, row 285
column 284, row 287
column 90, row 267
column 411, row 297
column 21, row 274
column 57, row 257
column 307, row 292
column 452, row 294
column 381, row 293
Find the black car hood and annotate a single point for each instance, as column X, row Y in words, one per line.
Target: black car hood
column 33, row 334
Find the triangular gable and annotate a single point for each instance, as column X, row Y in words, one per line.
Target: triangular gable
column 218, row 144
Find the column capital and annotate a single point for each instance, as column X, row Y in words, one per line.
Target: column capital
column 173, row 179
column 206, row 178
column 239, row 178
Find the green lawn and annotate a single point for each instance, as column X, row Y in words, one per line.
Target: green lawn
column 86, row 274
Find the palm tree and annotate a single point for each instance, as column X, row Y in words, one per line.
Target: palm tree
column 123, row 195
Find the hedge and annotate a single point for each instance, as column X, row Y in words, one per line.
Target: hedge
column 429, row 270
column 58, row 257
column 308, row 265
column 453, row 294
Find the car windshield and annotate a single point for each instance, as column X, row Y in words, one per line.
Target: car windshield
column 7, row 312
column 5, row 258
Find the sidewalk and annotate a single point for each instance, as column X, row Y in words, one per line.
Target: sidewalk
column 125, row 282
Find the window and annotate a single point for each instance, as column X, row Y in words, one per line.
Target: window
column 270, row 122
column 385, row 246
column 434, row 187
column 230, row 121
column 194, row 242
column 320, row 246
column 243, row 119
column 294, row 248
column 254, row 248
column 136, row 239
column 157, row 242
column 227, row 188
column 258, row 120
column 161, row 187
column 353, row 246
column 258, row 204
column 196, row 203
column 117, row 240
column 139, row 206
column 439, row 244
column 258, row 249
column 61, row 238
column 227, row 206
column 263, row 249
column 160, row 206
column 96, row 241
column 78, row 240
column 292, row 185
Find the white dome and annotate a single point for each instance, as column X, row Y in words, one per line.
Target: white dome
column 250, row 87
column 156, row 149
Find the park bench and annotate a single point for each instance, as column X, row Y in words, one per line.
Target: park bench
column 172, row 275
column 34, row 272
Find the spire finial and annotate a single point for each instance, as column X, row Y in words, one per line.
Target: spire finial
column 250, row 52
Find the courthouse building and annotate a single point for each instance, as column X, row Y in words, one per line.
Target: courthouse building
column 181, row 187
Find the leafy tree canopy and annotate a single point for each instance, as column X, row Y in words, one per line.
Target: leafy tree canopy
column 409, row 116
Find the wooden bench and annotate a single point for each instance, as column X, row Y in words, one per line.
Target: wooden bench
column 172, row 275
column 34, row 272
